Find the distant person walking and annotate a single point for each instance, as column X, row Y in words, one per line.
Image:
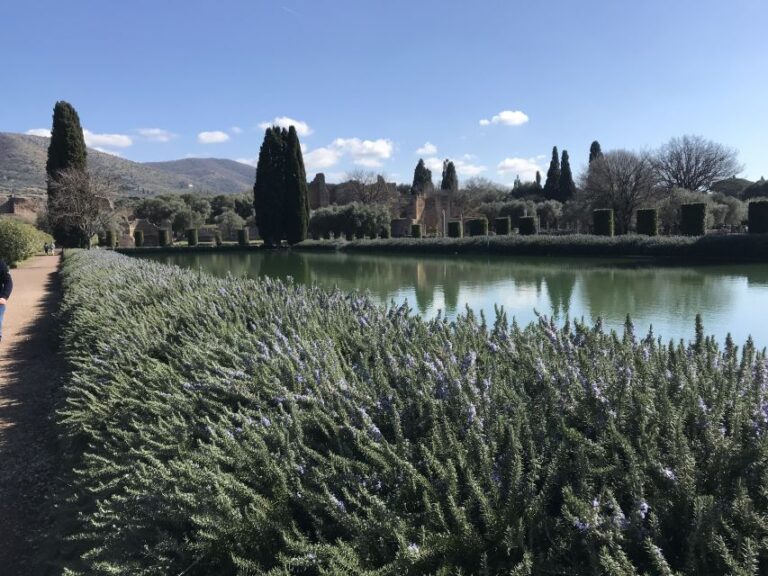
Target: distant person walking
column 53, row 248
column 6, row 287
column 46, row 248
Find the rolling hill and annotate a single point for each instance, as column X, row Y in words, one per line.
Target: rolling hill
column 22, row 169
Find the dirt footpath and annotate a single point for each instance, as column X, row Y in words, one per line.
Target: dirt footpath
column 29, row 373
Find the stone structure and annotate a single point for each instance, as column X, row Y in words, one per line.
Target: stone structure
column 318, row 192
column 151, row 232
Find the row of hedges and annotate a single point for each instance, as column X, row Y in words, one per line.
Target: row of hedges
column 19, row 240
column 725, row 247
column 227, row 426
column 354, row 220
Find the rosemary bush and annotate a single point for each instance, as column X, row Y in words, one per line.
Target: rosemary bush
column 229, row 426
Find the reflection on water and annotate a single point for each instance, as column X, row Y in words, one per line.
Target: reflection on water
column 730, row 298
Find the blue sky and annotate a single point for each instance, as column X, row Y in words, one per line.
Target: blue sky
column 491, row 84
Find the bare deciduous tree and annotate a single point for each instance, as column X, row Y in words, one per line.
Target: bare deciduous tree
column 369, row 188
column 81, row 202
column 622, row 180
column 693, row 163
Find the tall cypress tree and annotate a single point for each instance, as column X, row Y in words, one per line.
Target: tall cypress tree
column 296, row 205
column 595, row 152
column 538, row 180
column 66, row 151
column 552, row 185
column 450, row 182
column 567, row 188
column 422, row 178
column 269, row 186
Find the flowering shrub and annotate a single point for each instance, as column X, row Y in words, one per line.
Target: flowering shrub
column 229, row 426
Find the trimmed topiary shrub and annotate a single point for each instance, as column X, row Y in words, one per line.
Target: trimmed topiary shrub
column 384, row 232
column 455, row 229
column 416, row 230
column 502, row 226
column 758, row 217
column 110, row 239
column 19, row 240
column 164, row 237
column 192, row 237
column 693, row 219
column 602, row 222
column 242, row 237
column 476, row 227
column 528, row 225
column 648, row 222
column 138, row 238
column 217, row 239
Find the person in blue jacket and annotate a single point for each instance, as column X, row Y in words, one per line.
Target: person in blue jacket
column 6, row 287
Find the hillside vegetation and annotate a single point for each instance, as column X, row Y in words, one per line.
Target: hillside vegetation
column 227, row 426
column 23, row 157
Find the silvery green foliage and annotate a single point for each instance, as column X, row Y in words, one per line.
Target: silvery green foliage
column 225, row 426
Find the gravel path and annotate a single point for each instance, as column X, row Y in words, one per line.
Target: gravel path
column 29, row 372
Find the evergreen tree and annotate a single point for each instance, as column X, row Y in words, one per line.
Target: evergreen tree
column 422, row 179
column 66, row 152
column 595, row 152
column 538, row 180
column 269, row 186
column 567, row 188
column 296, row 204
column 450, row 181
column 552, row 185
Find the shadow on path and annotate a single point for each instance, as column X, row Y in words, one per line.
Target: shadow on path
column 29, row 456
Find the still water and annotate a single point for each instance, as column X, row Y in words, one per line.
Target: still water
column 730, row 298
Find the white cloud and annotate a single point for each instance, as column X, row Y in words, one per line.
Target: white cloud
column 214, row 137
column 468, row 169
column 111, row 140
column 368, row 153
column 428, row 149
column 236, row 130
column 249, row 161
column 302, row 128
column 320, row 158
column 105, row 151
column 156, row 134
column 526, row 168
column 507, row 118
column 46, row 132
column 463, row 168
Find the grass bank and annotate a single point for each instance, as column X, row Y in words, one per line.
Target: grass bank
column 228, row 426
column 730, row 248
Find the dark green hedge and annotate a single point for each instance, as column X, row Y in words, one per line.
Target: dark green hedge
column 416, row 231
column 455, row 229
column 476, row 227
column 164, row 237
column 602, row 222
column 242, row 237
column 528, row 225
column 502, row 226
column 192, row 237
column 138, row 238
column 693, row 219
column 648, row 222
column 758, row 217
column 110, row 239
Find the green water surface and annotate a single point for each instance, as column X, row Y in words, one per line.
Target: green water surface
column 731, row 298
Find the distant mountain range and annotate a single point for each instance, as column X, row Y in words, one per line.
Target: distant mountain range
column 22, row 169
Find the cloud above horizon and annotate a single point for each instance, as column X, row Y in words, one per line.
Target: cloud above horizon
column 428, row 149
column 212, row 137
column 506, row 118
column 44, row 132
column 156, row 134
column 111, row 140
column 463, row 168
column 302, row 128
column 366, row 153
column 525, row 168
